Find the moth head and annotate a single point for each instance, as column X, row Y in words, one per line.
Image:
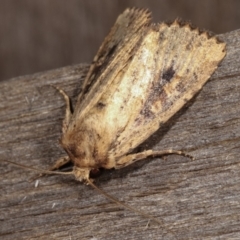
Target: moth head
column 81, row 174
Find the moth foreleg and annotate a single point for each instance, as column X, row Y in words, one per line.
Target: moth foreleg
column 68, row 112
column 58, row 164
column 131, row 158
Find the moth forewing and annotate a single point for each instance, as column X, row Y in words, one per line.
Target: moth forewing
column 183, row 61
column 125, row 34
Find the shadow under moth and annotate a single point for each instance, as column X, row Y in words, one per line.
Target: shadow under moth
column 142, row 74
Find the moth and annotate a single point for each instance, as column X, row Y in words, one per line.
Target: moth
column 142, row 74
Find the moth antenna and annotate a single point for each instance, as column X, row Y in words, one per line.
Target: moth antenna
column 123, row 204
column 37, row 169
column 148, row 216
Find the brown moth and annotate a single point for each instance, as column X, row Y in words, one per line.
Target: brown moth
column 142, row 75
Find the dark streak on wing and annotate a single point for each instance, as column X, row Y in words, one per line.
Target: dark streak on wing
column 99, row 65
column 156, row 96
column 100, row 105
column 168, row 74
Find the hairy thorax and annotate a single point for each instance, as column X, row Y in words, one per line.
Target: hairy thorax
column 85, row 148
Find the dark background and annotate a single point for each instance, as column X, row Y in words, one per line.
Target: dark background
column 38, row 35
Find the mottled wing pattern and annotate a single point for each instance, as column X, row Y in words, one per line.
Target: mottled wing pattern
column 126, row 34
column 174, row 63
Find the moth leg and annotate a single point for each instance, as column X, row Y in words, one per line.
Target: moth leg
column 131, row 158
column 68, row 112
column 58, row 164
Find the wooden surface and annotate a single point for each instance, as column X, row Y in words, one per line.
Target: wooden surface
column 197, row 199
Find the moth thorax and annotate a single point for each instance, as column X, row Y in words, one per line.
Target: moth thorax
column 79, row 151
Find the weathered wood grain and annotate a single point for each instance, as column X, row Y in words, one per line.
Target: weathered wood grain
column 197, row 199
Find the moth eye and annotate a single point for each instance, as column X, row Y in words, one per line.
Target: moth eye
column 100, row 105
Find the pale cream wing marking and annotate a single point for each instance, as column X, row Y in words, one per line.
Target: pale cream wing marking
column 171, row 65
column 112, row 56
